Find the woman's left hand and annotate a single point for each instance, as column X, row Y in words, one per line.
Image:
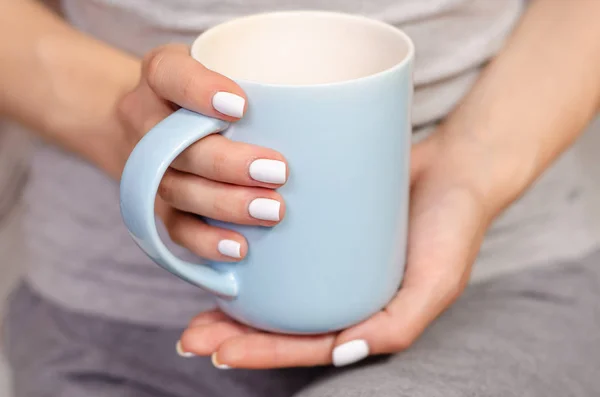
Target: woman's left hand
column 448, row 217
column 515, row 121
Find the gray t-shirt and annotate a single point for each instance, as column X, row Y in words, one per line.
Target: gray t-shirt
column 81, row 254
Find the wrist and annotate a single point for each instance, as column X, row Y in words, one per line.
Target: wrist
column 83, row 115
column 63, row 84
column 495, row 172
column 112, row 134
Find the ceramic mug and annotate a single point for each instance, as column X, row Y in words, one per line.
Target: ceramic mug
column 332, row 93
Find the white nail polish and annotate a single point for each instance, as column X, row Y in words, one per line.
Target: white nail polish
column 268, row 171
column 229, row 104
column 350, row 352
column 180, row 351
column 213, row 358
column 230, row 248
column 264, row 209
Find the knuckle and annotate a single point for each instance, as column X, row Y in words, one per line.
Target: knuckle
column 152, row 65
column 189, row 85
column 219, row 163
column 198, row 158
column 222, row 207
column 168, row 187
column 153, row 62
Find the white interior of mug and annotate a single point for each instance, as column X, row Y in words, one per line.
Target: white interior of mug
column 302, row 48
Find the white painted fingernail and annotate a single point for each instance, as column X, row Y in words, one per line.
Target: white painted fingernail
column 268, row 171
column 230, row 248
column 213, row 358
column 182, row 353
column 350, row 352
column 264, row 209
column 229, row 104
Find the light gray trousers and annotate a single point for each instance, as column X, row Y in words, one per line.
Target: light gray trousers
column 534, row 333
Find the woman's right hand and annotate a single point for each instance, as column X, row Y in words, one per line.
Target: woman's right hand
column 214, row 178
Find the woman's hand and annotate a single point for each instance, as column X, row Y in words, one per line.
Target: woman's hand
column 447, row 221
column 521, row 114
column 216, row 178
column 225, row 180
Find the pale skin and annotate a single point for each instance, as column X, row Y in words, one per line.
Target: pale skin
column 528, row 106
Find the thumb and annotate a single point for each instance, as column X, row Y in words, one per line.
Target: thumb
column 446, row 229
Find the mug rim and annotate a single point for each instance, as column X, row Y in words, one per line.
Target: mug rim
column 403, row 63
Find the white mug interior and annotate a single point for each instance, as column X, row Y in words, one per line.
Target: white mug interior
column 302, row 48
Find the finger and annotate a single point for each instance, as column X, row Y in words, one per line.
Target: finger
column 208, row 317
column 263, row 350
column 220, row 159
column 206, row 241
column 442, row 241
column 175, row 76
column 215, row 200
column 203, row 340
column 141, row 110
column 384, row 333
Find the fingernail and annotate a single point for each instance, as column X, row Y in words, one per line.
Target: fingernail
column 268, row 171
column 264, row 209
column 350, row 352
column 230, row 248
column 182, row 353
column 213, row 358
column 229, row 104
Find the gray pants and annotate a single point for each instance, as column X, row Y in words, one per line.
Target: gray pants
column 535, row 333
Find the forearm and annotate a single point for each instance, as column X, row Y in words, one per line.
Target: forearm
column 532, row 101
column 61, row 83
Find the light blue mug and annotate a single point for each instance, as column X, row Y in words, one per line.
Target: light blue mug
column 332, row 93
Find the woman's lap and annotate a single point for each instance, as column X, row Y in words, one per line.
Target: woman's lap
column 534, row 333
column 57, row 353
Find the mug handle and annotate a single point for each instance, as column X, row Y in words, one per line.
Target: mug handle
column 141, row 177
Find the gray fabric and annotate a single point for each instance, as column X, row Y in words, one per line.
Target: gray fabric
column 57, row 353
column 83, row 258
column 532, row 334
column 14, row 160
